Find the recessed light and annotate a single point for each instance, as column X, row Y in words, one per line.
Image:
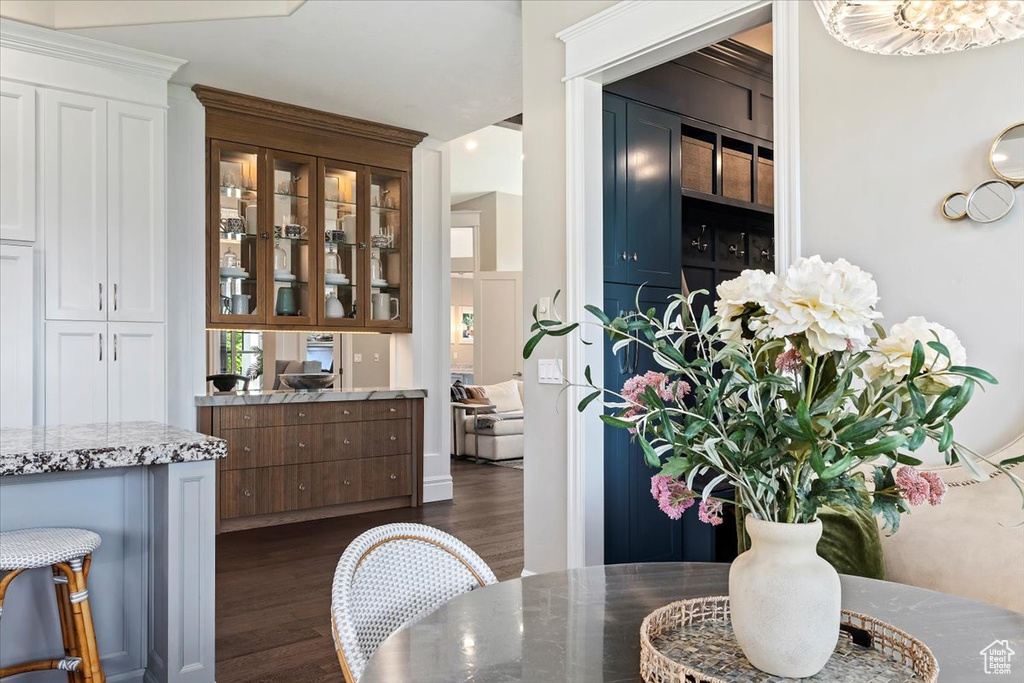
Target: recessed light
column 470, row 145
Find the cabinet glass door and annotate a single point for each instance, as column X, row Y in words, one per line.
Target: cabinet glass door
column 294, row 229
column 235, row 252
column 344, row 245
column 388, row 243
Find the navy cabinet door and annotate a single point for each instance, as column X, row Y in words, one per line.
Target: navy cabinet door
column 635, row 529
column 614, row 148
column 653, row 197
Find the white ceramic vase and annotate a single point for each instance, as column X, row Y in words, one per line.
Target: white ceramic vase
column 784, row 599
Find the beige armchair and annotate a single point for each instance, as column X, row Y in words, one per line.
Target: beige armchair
column 478, row 436
column 972, row 544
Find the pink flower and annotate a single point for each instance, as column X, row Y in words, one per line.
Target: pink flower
column 710, row 512
column 672, row 495
column 915, row 489
column 936, row 487
column 666, row 389
column 790, row 361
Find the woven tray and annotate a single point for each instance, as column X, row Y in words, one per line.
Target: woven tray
column 691, row 641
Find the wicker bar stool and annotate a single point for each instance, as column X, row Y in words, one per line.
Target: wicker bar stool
column 68, row 553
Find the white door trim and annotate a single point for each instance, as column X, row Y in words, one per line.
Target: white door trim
column 627, row 38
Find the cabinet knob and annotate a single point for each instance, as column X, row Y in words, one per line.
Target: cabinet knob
column 246, row 449
column 393, row 410
column 347, row 412
column 346, row 442
column 394, row 476
column 625, row 256
column 302, row 414
column 302, row 445
column 247, row 494
column 302, row 487
column 394, row 438
column 247, row 417
column 347, row 482
column 635, row 256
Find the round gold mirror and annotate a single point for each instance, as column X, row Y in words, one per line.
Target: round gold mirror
column 990, row 201
column 954, row 206
column 1007, row 154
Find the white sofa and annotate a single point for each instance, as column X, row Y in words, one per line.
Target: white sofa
column 972, row 544
column 498, row 440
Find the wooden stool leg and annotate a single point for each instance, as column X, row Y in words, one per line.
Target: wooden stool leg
column 90, row 632
column 4, row 583
column 79, row 595
column 67, row 633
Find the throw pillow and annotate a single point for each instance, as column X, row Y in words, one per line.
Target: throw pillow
column 505, row 396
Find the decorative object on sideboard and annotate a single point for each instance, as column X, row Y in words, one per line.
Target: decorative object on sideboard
column 991, row 200
column 693, row 640
column 919, row 27
column 307, row 381
column 228, row 382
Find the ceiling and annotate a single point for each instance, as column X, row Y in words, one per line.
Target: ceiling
column 759, row 38
column 487, row 160
column 443, row 67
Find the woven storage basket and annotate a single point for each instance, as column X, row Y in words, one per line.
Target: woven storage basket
column 691, row 641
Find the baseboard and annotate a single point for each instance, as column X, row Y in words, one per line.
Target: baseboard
column 437, row 488
column 526, row 572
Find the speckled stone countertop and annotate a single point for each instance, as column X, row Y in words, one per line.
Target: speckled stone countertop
column 269, row 396
column 96, row 446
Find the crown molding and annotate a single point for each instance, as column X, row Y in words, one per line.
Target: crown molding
column 236, row 103
column 27, row 38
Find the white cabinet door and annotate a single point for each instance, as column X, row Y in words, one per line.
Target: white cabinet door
column 137, row 372
column 16, row 286
column 17, row 161
column 76, row 372
column 136, row 213
column 74, row 156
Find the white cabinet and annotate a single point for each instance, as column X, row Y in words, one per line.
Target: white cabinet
column 76, row 372
column 100, row 372
column 75, row 205
column 16, row 287
column 136, row 372
column 17, row 161
column 135, row 212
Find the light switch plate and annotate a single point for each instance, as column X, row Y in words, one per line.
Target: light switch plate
column 549, row 371
column 544, row 307
column 357, row 358
column 376, row 358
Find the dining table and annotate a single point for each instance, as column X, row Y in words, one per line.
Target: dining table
column 583, row 626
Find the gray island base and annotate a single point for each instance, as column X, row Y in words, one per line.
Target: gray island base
column 149, row 491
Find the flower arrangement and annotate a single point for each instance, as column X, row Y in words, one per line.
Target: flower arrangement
column 786, row 394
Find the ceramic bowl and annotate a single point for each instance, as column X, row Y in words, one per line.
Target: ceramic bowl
column 307, row 381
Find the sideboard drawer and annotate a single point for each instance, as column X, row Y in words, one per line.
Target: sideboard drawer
column 386, row 410
column 270, row 446
column 247, row 417
column 342, row 441
column 386, row 437
column 340, row 481
column 264, row 490
column 385, row 477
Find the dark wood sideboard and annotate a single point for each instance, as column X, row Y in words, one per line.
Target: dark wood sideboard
column 291, row 462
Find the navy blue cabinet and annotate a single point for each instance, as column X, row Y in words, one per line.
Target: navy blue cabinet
column 642, row 199
column 635, row 529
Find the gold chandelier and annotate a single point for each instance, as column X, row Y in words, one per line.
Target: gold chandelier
column 921, row 27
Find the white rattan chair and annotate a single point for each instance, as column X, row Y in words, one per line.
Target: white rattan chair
column 391, row 576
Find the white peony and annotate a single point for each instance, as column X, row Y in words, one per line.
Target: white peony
column 752, row 286
column 830, row 303
column 894, row 352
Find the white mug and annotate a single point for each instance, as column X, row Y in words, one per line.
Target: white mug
column 240, row 304
column 381, row 307
column 251, row 219
column 348, row 224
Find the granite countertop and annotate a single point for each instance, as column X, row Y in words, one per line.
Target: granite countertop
column 35, row 450
column 269, row 396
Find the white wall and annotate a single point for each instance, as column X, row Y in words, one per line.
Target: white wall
column 374, row 368
column 883, row 140
column 544, row 504
column 494, row 163
column 500, row 236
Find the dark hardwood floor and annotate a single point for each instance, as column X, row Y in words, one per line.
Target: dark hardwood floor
column 274, row 584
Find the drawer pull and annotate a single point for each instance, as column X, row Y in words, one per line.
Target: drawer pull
column 347, row 482
column 246, row 449
column 347, row 442
column 247, row 494
column 394, row 438
column 247, row 417
column 394, row 476
column 302, row 445
column 347, row 412
column 393, row 410
column 302, row 487
column 302, row 414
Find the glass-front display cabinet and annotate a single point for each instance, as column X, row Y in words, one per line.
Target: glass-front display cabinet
column 327, row 249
